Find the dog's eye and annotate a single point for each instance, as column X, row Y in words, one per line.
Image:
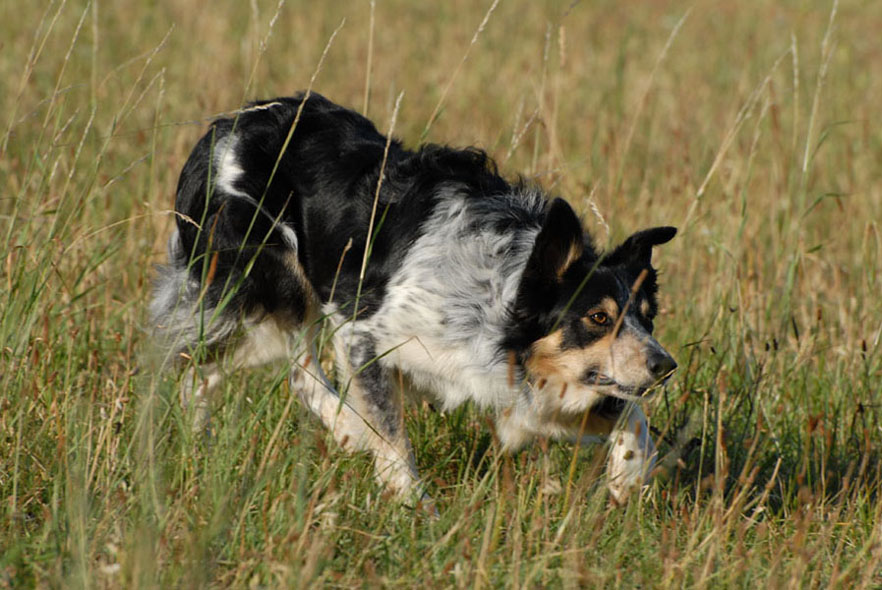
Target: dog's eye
column 600, row 318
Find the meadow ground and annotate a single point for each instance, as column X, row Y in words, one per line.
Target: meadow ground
column 755, row 127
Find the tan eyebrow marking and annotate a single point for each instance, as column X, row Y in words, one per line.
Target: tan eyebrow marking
column 644, row 307
column 610, row 306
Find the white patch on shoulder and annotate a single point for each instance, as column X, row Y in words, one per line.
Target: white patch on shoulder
column 228, row 171
column 446, row 308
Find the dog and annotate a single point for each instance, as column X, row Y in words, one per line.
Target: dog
column 298, row 223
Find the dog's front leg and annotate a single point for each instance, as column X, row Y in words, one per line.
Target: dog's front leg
column 632, row 453
column 366, row 415
column 262, row 342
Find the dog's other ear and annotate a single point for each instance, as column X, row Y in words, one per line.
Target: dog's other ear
column 560, row 242
column 636, row 252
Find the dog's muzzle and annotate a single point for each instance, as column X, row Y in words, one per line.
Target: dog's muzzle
column 660, row 364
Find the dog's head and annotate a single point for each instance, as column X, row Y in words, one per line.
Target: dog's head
column 582, row 322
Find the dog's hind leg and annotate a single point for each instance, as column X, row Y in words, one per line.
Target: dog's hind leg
column 368, row 415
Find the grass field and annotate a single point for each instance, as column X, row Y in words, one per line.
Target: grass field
column 754, row 127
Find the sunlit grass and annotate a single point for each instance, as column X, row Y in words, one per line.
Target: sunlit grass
column 753, row 127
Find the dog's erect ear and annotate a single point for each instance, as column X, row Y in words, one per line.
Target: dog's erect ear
column 560, row 243
column 636, row 252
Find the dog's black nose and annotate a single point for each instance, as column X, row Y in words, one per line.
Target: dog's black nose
column 660, row 364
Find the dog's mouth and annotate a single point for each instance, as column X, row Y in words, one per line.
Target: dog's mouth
column 606, row 385
column 595, row 378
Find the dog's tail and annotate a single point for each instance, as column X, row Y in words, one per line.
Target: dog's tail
column 182, row 316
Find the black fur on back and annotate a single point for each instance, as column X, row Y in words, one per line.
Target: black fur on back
column 229, row 254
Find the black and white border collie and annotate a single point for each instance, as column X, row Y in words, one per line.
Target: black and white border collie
column 298, row 223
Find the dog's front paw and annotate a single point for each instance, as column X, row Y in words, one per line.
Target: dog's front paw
column 427, row 506
column 631, row 457
column 627, row 474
